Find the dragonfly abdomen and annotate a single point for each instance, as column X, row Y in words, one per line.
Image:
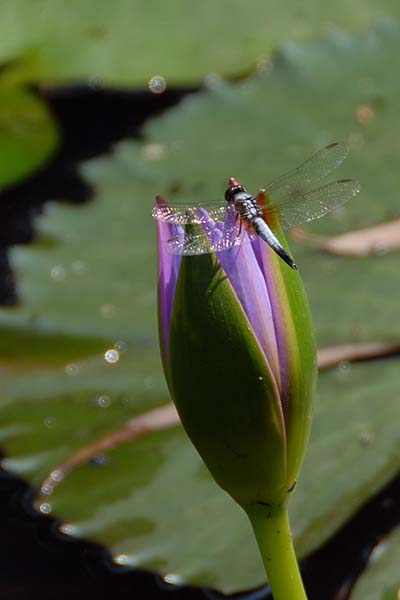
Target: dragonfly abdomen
column 266, row 234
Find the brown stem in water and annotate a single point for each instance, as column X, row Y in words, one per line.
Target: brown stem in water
column 381, row 238
column 332, row 356
column 149, row 422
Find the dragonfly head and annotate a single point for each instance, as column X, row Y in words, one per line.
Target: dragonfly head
column 233, row 188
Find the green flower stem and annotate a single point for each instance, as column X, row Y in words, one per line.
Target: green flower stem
column 274, row 539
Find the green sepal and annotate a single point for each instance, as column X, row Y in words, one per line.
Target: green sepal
column 223, row 387
column 300, row 355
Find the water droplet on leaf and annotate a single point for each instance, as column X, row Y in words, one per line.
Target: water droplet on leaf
column 111, row 356
column 121, row 559
column 67, row 529
column 46, row 489
column 56, row 476
column 120, row 346
column 100, row 460
column 173, row 579
column 157, row 84
column 45, row 508
column 71, row 369
column 344, row 366
column 58, row 273
column 103, row 401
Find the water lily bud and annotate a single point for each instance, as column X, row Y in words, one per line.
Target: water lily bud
column 239, row 355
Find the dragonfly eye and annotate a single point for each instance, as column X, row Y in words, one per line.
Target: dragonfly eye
column 232, row 191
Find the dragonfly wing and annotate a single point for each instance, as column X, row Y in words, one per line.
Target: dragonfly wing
column 213, row 239
column 293, row 185
column 183, row 214
column 317, row 203
column 189, row 244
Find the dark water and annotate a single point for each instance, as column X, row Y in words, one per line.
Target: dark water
column 35, row 562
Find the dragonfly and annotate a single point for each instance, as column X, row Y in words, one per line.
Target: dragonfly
column 227, row 223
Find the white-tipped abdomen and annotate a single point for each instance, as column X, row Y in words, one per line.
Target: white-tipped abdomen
column 266, row 234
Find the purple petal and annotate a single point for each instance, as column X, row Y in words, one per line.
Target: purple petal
column 247, row 279
column 268, row 266
column 168, row 270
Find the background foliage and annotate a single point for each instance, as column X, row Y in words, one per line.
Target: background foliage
column 87, row 284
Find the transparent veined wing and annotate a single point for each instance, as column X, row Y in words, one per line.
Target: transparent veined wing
column 183, row 214
column 295, row 184
column 287, row 196
column 213, row 237
column 315, row 204
column 189, row 244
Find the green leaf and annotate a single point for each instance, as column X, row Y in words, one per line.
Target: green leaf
column 128, row 42
column 391, row 593
column 381, row 579
column 28, row 133
column 90, row 279
column 154, row 503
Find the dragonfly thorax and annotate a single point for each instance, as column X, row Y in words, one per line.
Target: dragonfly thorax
column 245, row 204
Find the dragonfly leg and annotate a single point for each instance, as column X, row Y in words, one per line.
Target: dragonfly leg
column 240, row 224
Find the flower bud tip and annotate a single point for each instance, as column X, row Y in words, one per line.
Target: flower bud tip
column 160, row 200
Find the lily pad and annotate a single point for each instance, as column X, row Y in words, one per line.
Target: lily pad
column 254, row 131
column 28, row 133
column 151, row 498
column 88, row 284
column 381, row 579
column 127, row 42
